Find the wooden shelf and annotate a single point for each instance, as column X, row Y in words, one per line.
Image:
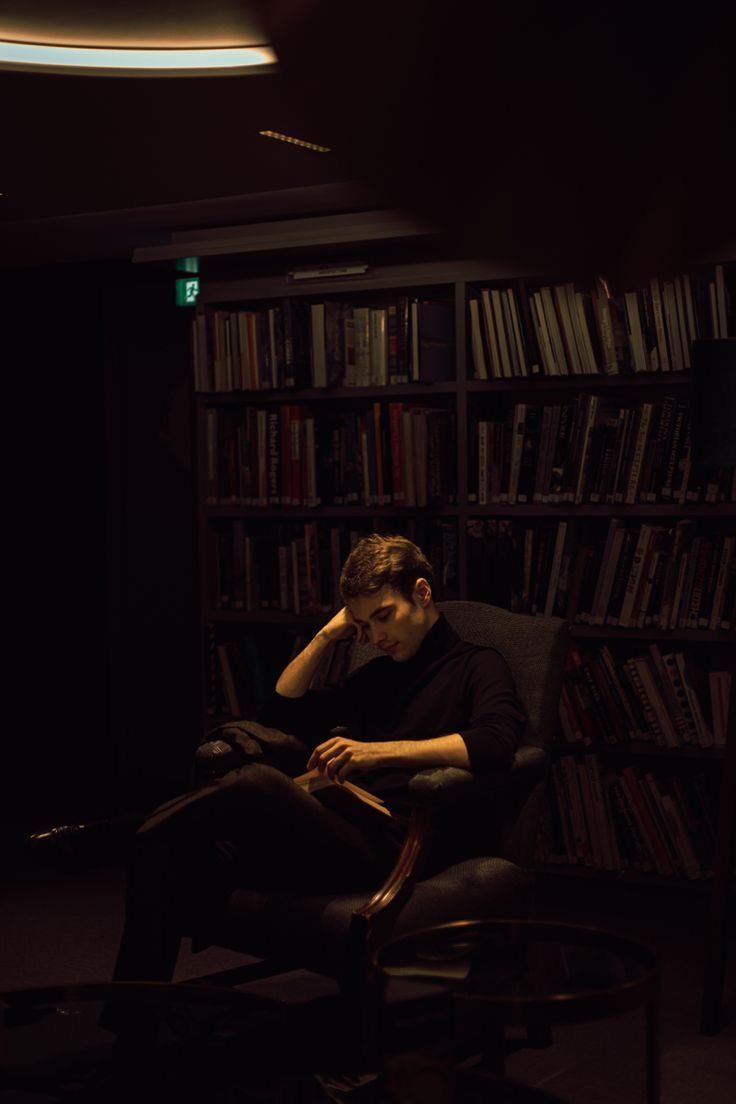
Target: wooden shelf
column 644, row 380
column 640, row 749
column 268, row 617
column 684, row 636
column 606, row 510
column 283, row 513
column 704, row 510
column 322, row 394
column 631, row 879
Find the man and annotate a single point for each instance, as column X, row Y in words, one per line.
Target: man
column 430, row 700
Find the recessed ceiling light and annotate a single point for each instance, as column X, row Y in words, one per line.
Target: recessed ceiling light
column 294, row 141
column 151, row 62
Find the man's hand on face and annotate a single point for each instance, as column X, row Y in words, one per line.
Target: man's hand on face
column 341, row 626
column 340, row 756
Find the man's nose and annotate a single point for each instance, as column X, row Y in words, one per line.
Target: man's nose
column 377, row 634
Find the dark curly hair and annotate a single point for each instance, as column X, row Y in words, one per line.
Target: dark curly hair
column 384, row 560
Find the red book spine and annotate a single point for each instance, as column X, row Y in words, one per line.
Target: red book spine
column 653, row 837
column 397, row 463
column 380, row 493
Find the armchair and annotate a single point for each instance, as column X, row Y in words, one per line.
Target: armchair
column 336, row 935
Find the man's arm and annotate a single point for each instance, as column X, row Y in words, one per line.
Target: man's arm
column 340, row 756
column 294, row 680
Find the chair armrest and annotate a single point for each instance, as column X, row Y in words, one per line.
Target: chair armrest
column 437, row 786
column 372, row 923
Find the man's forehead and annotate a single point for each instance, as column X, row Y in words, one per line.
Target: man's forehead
column 363, row 608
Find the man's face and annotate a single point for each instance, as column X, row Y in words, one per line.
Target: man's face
column 393, row 623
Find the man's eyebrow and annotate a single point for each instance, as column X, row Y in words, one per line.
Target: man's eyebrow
column 380, row 609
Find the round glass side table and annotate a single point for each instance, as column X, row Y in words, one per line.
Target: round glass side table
column 505, row 973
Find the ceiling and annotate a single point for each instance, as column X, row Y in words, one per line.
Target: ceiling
column 581, row 137
column 96, row 165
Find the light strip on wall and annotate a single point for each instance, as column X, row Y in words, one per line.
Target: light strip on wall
column 294, row 141
column 126, row 62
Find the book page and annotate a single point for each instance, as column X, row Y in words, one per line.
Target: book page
column 313, row 781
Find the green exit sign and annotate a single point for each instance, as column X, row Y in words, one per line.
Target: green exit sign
column 187, row 291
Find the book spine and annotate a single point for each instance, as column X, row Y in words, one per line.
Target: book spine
column 480, row 368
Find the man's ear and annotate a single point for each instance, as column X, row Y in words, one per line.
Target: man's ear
column 423, row 591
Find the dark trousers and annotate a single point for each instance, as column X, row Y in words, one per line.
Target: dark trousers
column 252, row 828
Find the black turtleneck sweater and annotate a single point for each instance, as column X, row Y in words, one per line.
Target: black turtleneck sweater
column 448, row 686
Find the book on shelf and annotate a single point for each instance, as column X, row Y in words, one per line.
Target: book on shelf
column 644, row 820
column 391, row 454
column 642, row 696
column 593, row 451
column 616, row 820
column 568, row 331
column 651, row 571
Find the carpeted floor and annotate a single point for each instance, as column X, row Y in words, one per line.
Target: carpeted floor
column 58, row 927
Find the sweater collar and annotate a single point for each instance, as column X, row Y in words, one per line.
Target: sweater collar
column 438, row 641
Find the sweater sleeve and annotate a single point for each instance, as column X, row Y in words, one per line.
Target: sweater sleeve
column 496, row 716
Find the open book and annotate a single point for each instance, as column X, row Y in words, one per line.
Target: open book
column 313, row 781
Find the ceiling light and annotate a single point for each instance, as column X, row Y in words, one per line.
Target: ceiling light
column 294, row 141
column 103, row 60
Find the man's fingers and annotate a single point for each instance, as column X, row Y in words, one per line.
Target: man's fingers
column 338, row 763
column 320, row 752
column 322, row 755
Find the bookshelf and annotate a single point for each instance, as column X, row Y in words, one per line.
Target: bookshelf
column 535, row 528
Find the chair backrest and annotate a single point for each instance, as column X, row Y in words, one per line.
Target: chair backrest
column 533, row 647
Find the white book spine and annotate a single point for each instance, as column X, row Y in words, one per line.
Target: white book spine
column 319, row 355
column 590, row 417
column 362, row 338
column 493, row 353
column 554, row 574
column 719, row 594
column 480, row 368
column 632, row 584
column 483, row 463
column 721, row 302
column 640, row 444
column 518, row 338
column 545, row 346
column 673, row 326
column 503, row 348
column 682, row 321
column 517, row 448
column 548, row 308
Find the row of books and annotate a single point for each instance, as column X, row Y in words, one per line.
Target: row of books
column 628, row 819
column 388, row 454
column 663, row 696
column 295, row 568
column 561, row 331
column 626, row 576
column 590, row 450
column 241, row 679
column 296, row 343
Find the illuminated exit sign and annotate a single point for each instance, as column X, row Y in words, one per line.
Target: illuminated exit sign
column 187, row 290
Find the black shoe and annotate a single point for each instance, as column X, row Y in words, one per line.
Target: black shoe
column 94, row 843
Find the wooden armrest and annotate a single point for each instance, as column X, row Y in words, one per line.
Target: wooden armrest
column 397, row 886
column 372, row 923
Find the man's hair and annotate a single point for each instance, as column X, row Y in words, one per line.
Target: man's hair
column 378, row 561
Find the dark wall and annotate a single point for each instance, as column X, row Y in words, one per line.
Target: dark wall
column 99, row 548
column 153, row 561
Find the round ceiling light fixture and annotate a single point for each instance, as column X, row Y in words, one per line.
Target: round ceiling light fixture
column 144, row 39
column 151, row 62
